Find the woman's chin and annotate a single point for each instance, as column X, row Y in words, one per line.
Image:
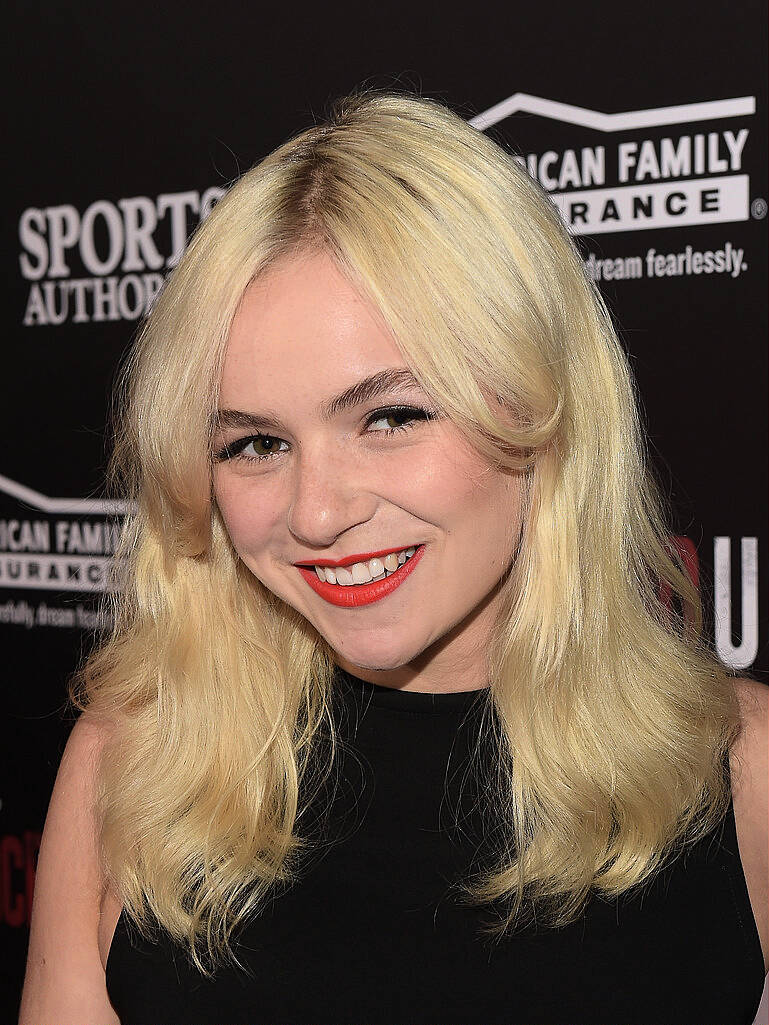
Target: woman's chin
column 382, row 658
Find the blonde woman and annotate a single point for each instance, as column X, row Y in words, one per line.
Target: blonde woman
column 393, row 725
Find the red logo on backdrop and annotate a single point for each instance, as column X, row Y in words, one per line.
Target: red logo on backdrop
column 18, row 861
column 686, row 550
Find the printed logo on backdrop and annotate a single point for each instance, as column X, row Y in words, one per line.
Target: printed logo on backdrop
column 653, row 170
column 108, row 262
column 735, row 614
column 55, row 547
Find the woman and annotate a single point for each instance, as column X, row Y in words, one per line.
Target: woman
column 393, row 724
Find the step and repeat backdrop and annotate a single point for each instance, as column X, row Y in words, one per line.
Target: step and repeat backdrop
column 123, row 131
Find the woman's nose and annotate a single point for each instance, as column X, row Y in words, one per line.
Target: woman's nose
column 328, row 498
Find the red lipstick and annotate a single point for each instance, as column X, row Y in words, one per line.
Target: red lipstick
column 359, row 594
column 350, row 560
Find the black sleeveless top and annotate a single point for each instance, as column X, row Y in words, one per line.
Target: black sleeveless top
column 373, row 934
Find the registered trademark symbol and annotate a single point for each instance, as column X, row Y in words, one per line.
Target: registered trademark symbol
column 758, row 209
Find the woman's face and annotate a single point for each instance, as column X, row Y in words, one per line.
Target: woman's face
column 333, row 455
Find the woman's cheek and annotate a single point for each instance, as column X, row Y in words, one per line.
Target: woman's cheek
column 244, row 516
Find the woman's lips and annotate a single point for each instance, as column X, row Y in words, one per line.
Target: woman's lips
column 350, row 560
column 360, row 594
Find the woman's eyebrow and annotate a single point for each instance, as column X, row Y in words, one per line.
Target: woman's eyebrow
column 392, row 380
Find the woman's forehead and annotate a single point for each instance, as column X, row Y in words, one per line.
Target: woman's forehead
column 303, row 321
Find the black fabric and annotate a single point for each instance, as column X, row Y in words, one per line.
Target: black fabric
column 373, row 931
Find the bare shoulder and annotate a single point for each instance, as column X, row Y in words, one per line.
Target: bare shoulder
column 64, row 980
column 750, row 752
column 749, row 759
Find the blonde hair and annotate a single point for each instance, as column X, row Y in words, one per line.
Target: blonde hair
column 612, row 716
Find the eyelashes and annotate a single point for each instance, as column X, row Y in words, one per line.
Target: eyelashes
column 406, row 417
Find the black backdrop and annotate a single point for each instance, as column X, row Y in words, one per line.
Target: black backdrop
column 124, row 124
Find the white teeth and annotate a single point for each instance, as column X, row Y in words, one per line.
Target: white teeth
column 364, row 572
column 360, row 573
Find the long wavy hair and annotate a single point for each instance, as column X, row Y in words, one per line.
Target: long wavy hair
column 611, row 716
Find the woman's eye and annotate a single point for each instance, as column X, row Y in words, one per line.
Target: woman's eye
column 398, row 418
column 254, row 449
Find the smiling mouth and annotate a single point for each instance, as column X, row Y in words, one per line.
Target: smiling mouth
column 364, row 581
